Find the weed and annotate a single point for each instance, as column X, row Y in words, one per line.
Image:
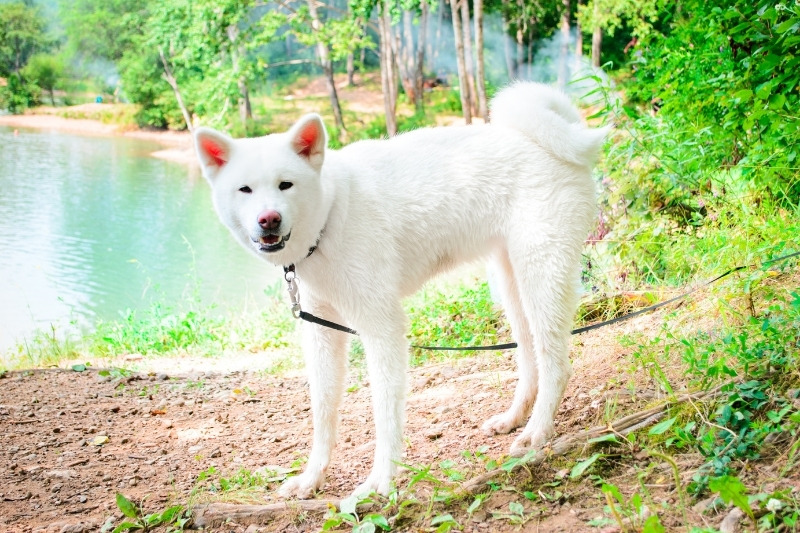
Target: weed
column 516, row 514
column 173, row 518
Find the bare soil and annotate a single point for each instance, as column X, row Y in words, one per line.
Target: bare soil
column 72, row 440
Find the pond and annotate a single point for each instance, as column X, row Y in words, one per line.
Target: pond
column 92, row 226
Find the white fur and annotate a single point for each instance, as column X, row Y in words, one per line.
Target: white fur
column 395, row 212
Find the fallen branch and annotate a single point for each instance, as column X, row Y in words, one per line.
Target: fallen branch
column 216, row 514
column 567, row 443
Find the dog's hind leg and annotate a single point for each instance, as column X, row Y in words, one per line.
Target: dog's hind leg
column 525, row 393
column 325, row 353
column 547, row 275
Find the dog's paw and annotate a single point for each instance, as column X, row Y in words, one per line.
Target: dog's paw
column 527, row 441
column 382, row 484
column 501, row 424
column 301, row 487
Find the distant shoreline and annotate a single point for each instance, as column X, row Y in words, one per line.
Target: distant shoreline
column 178, row 144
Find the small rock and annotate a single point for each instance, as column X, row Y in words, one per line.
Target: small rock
column 448, row 372
column 81, row 527
column 730, row 524
column 434, row 432
column 82, row 498
column 133, row 482
column 215, row 453
column 162, row 377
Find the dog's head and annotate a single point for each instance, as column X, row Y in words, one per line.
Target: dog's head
column 267, row 190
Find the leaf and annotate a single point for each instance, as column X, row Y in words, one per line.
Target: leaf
column 348, row 505
column 127, row 507
column 126, row 526
column 581, row 467
column 364, row 527
column 99, row 440
column 442, row 519
column 608, row 437
column 170, row 514
column 377, row 519
column 516, row 508
column 652, row 525
column 613, row 490
column 731, row 490
column 79, row 368
column 662, row 426
column 474, row 505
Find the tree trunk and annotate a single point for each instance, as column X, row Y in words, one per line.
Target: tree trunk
column 351, row 69
column 405, row 55
column 388, row 81
column 563, row 64
column 419, row 67
column 435, row 45
column 597, row 40
column 174, row 84
column 510, row 63
column 483, row 109
column 327, row 66
column 245, row 110
column 463, row 81
column 469, row 57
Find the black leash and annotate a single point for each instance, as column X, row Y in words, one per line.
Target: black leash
column 290, row 277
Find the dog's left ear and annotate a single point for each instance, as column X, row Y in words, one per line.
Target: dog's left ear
column 309, row 139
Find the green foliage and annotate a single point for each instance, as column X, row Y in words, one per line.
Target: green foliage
column 462, row 316
column 704, row 158
column 21, row 35
column 18, row 94
column 45, row 71
column 173, row 519
column 754, row 365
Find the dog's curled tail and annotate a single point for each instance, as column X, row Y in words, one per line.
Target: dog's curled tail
column 549, row 118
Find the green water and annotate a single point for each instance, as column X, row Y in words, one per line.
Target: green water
column 91, row 226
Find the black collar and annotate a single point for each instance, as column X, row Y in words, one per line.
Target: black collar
column 311, row 250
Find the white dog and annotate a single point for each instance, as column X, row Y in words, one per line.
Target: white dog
column 370, row 223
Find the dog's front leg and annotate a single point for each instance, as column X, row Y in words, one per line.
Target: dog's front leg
column 386, row 350
column 325, row 353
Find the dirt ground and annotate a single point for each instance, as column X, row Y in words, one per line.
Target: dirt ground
column 72, row 440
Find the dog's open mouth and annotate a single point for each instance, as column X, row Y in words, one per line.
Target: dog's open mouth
column 271, row 242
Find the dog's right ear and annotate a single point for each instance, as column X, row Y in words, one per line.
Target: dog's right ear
column 213, row 151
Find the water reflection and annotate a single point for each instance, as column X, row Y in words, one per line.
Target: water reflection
column 90, row 226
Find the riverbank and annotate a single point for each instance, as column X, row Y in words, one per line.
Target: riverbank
column 177, row 144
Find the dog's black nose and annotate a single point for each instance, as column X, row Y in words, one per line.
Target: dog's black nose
column 269, row 220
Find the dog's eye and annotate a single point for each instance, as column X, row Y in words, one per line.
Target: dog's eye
column 245, row 189
column 285, row 185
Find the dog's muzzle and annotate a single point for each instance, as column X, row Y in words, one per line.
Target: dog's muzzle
column 271, row 242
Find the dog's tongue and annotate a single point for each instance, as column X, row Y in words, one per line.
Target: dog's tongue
column 270, row 239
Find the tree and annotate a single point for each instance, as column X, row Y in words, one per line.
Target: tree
column 483, row 108
column 461, row 60
column 46, row 71
column 102, row 28
column 610, row 15
column 21, row 35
